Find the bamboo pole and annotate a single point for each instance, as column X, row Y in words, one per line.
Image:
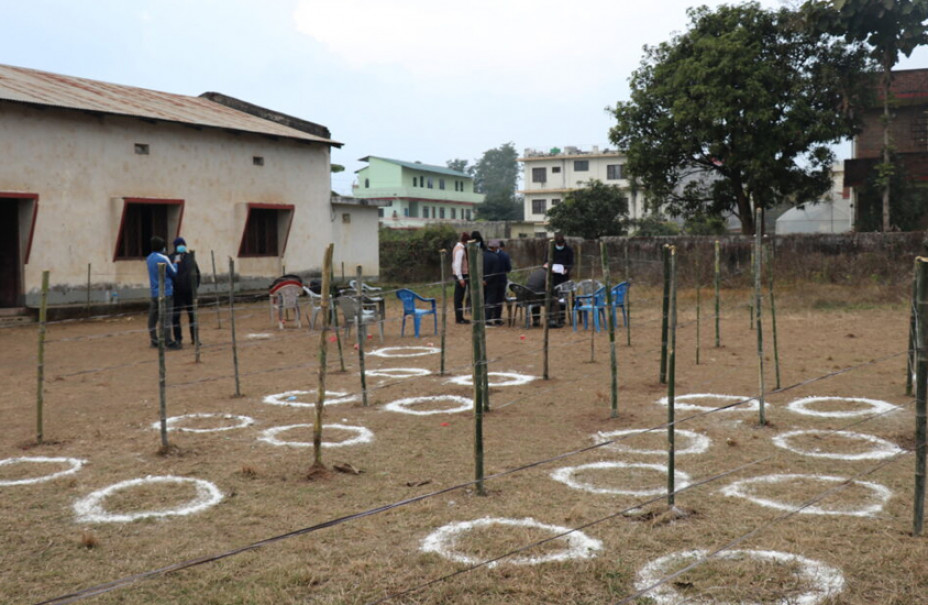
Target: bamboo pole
column 162, row 372
column 323, row 349
column 87, row 305
column 338, row 333
column 359, row 289
column 698, row 313
column 757, row 256
column 671, row 376
column 921, row 391
column 195, row 326
column 238, row 387
column 910, row 358
column 478, row 334
column 753, row 301
column 40, row 369
column 549, row 289
column 614, row 383
column 665, row 308
column 718, row 283
column 444, row 309
column 481, row 320
column 212, row 255
column 579, row 257
column 628, row 297
column 773, row 313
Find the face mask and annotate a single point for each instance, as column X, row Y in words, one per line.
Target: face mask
column 182, row 249
column 557, row 247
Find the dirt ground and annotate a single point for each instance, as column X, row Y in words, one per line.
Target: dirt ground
column 101, row 401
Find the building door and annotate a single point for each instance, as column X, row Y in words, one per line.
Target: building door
column 11, row 283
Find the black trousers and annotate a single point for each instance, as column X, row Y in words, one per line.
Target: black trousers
column 183, row 301
column 459, row 292
column 153, row 320
column 495, row 295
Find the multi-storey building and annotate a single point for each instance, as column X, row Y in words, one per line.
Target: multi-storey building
column 412, row 194
column 550, row 176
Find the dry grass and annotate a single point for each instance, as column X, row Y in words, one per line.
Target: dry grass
column 105, row 418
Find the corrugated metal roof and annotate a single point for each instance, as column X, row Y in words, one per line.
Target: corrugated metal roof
column 53, row 90
column 418, row 166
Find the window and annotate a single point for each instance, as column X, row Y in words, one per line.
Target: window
column 430, row 183
column 415, row 181
column 539, row 175
column 141, row 149
column 380, row 212
column 257, row 160
column 141, row 219
column 614, row 171
column 468, row 215
column 581, row 165
column 555, row 169
column 425, row 212
column 441, row 213
column 406, row 212
column 538, row 206
column 367, row 183
column 555, row 202
column 441, row 183
column 454, row 212
column 266, row 230
column 346, row 217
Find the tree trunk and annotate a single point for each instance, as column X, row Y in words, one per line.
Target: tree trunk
column 745, row 213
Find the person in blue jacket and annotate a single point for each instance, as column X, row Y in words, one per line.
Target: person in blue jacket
column 157, row 257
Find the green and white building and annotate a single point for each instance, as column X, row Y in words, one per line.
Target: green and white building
column 412, row 194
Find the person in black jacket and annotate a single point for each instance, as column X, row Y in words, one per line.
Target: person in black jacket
column 494, row 277
column 185, row 285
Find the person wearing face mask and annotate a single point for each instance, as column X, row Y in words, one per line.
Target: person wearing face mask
column 563, row 262
column 185, row 284
column 158, row 257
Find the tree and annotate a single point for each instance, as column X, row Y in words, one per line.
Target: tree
column 591, row 212
column 738, row 113
column 461, row 166
column 496, row 175
column 887, row 27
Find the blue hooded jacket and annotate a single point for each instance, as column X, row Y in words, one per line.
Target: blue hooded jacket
column 170, row 271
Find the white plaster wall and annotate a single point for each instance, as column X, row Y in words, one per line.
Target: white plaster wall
column 80, row 164
column 356, row 242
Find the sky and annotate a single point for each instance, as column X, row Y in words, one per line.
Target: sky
column 414, row 80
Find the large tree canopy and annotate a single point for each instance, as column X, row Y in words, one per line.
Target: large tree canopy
column 591, row 212
column 496, row 175
column 737, row 113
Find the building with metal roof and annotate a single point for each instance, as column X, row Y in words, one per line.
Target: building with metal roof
column 92, row 170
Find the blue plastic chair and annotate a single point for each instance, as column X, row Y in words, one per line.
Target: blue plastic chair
column 619, row 291
column 409, row 299
column 589, row 304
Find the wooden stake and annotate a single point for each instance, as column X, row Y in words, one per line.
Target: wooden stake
column 162, row 372
column 773, row 313
column 671, row 374
column 757, row 256
column 480, row 392
column 444, row 310
column 323, row 349
column 549, row 289
column 216, row 291
column 40, row 370
column 718, row 283
column 913, row 315
column 614, row 384
column 628, row 297
column 338, row 333
column 195, row 327
column 665, row 309
column 87, row 305
column 238, row 387
column 921, row 391
column 362, row 332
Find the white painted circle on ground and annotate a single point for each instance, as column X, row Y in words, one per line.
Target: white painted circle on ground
column 398, row 372
column 442, row 542
column 698, row 443
column 404, row 406
column 509, row 379
column 74, row 465
column 258, row 336
column 404, row 351
column 688, row 402
column 566, row 476
column 873, row 406
column 881, row 447
column 362, row 435
column 171, row 423
column 291, row 398
column 823, row 580
column 743, row 489
column 90, row 508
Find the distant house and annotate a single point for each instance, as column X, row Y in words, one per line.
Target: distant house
column 92, row 170
column 909, row 132
column 413, row 194
column 831, row 214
